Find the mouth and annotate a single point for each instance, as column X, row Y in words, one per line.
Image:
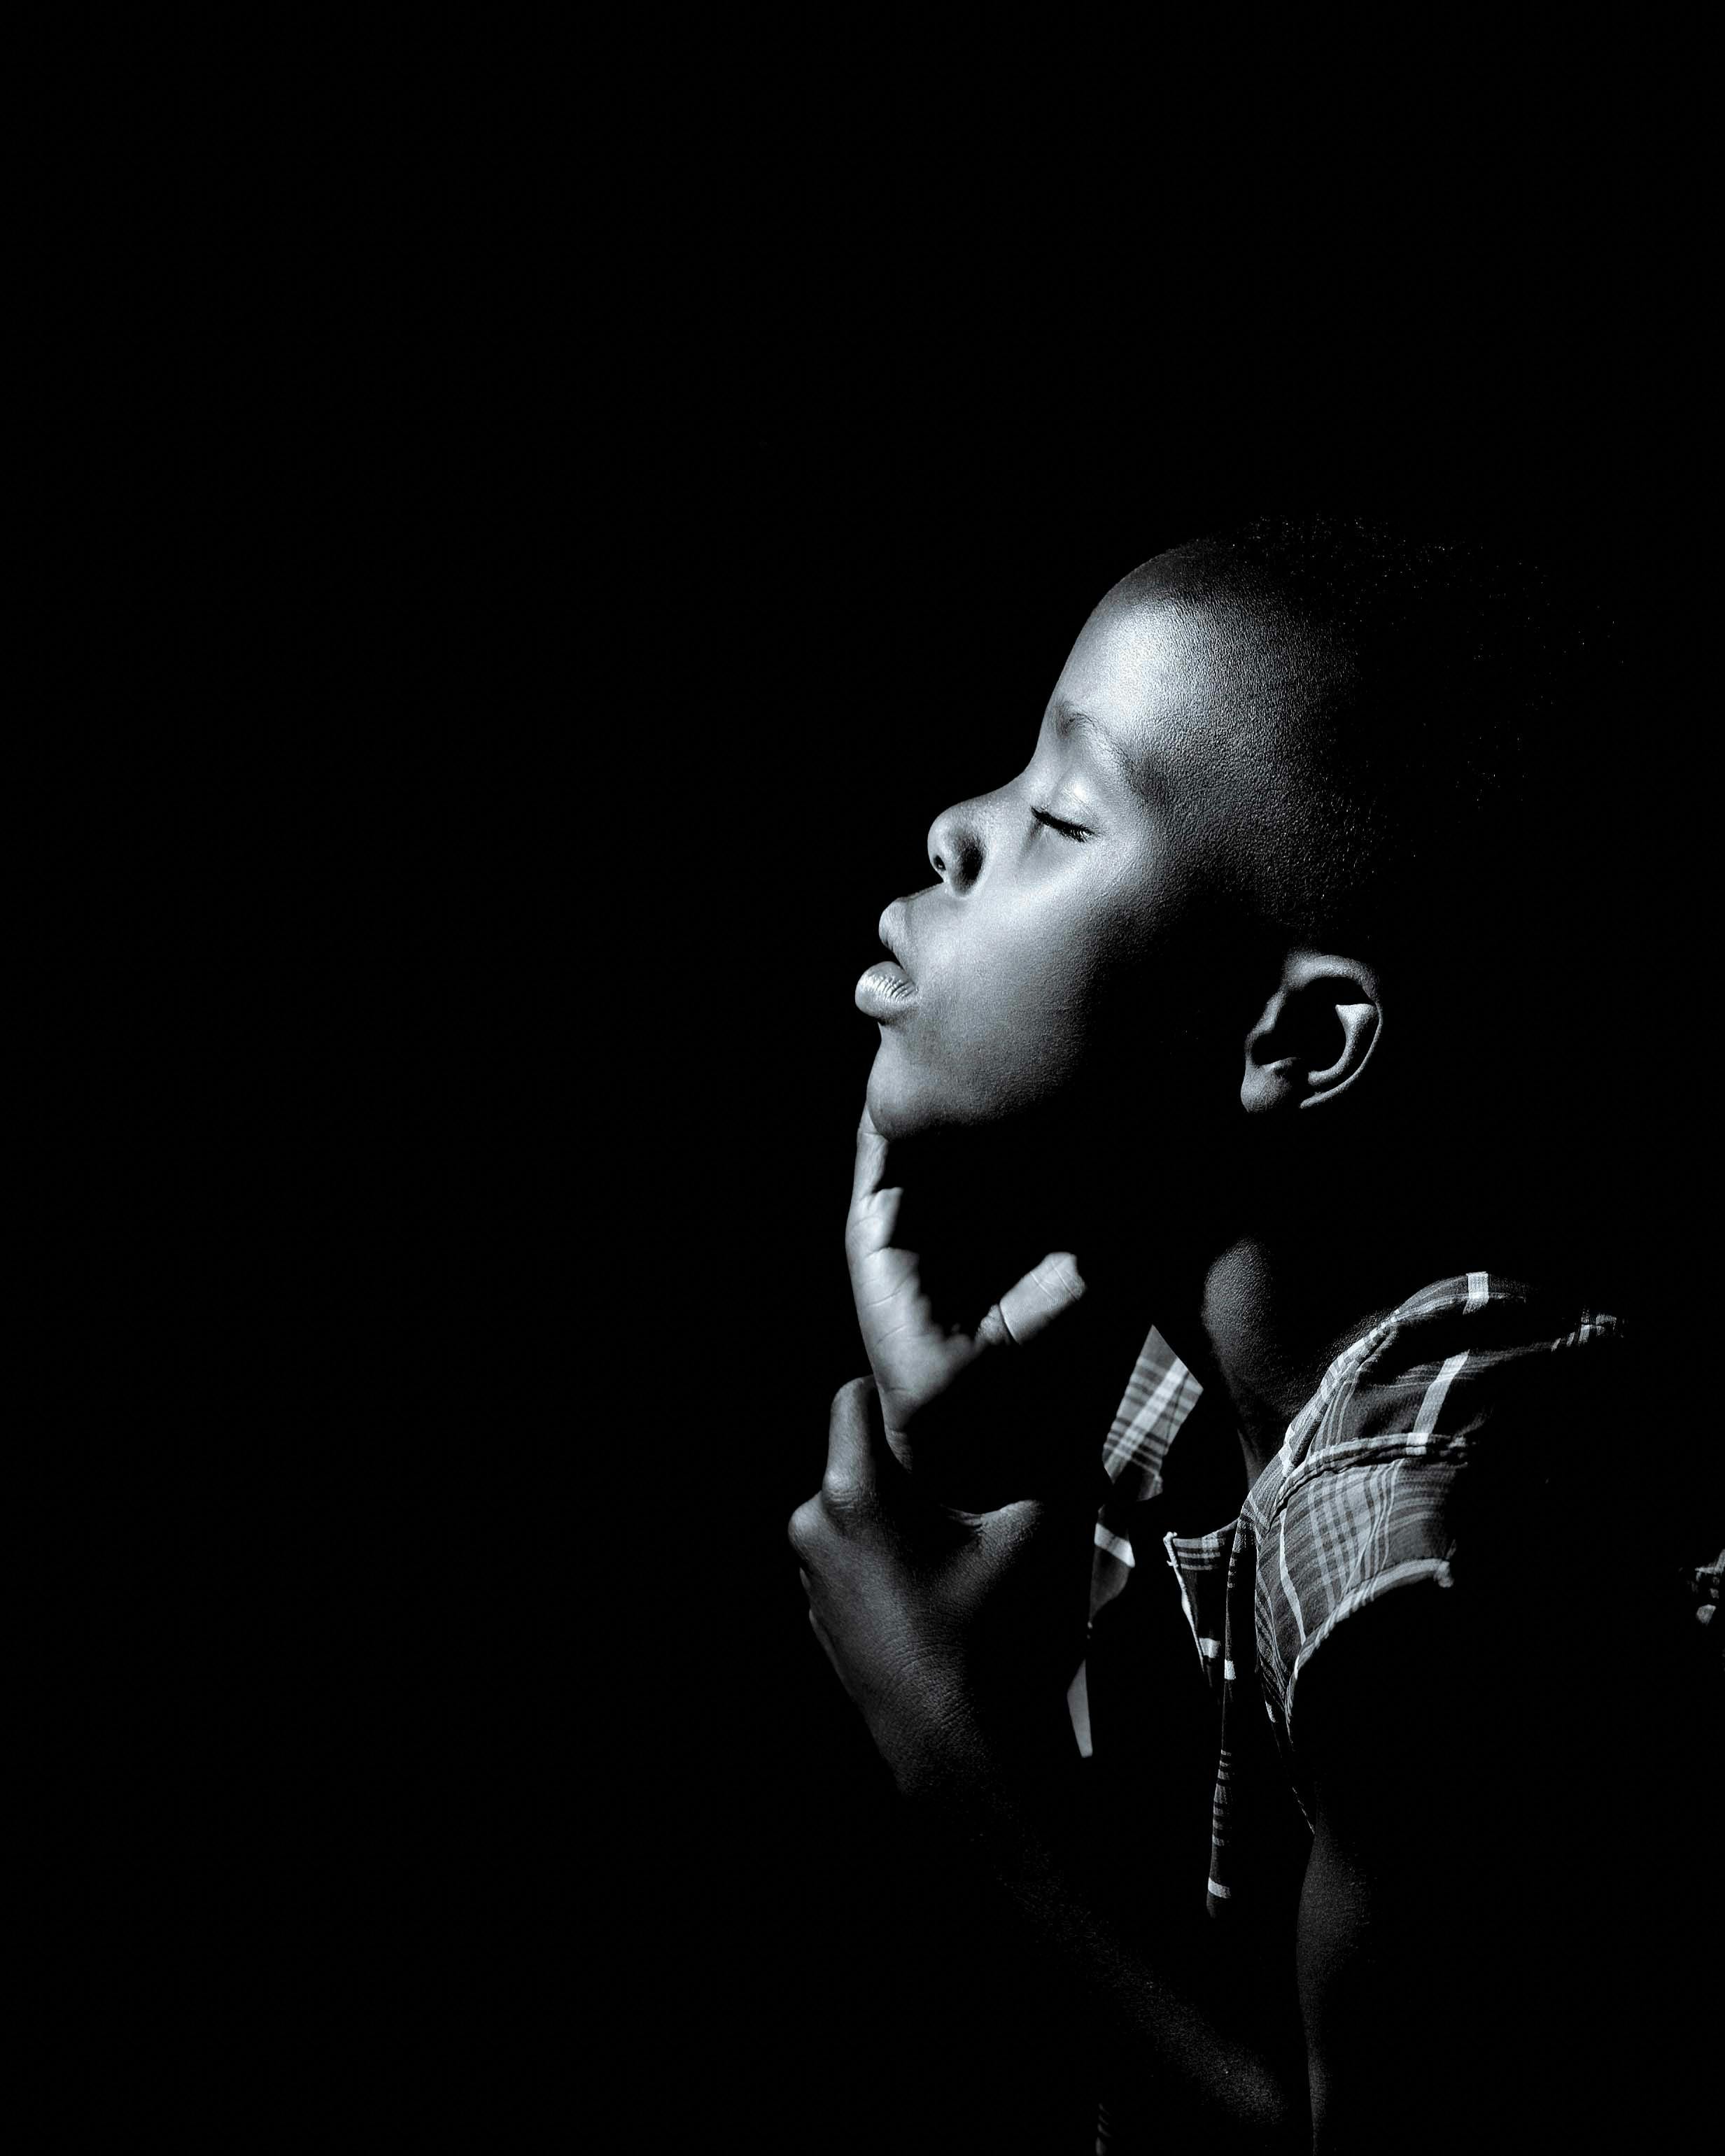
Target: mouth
column 886, row 991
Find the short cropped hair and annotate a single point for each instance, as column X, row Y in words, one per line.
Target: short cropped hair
column 1477, row 794
column 1444, row 772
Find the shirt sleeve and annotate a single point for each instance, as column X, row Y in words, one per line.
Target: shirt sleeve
column 1343, row 1535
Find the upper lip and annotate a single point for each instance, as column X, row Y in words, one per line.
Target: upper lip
column 891, row 932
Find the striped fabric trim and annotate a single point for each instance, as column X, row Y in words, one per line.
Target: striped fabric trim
column 1162, row 1394
column 1117, row 1546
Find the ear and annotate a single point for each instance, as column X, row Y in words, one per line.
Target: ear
column 1314, row 1036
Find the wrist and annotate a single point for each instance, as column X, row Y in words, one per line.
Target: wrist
column 971, row 1768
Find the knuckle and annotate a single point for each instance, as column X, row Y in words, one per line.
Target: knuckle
column 994, row 1332
column 838, row 1490
column 804, row 1530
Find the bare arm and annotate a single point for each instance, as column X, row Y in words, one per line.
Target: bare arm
column 1444, row 2006
column 1177, row 2032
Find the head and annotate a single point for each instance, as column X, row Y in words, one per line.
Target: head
column 1286, row 864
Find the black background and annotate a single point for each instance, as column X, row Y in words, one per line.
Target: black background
column 663, row 554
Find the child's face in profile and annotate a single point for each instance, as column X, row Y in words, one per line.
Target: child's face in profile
column 1031, row 969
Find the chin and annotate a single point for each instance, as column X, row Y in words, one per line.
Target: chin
column 899, row 1110
column 907, row 1102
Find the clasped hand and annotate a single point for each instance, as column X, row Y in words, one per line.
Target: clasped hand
column 956, row 1627
column 955, row 1634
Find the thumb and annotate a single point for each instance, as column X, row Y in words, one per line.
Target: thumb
column 857, row 1456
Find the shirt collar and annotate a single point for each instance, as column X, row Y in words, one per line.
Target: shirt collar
column 1160, row 1397
column 1162, row 1392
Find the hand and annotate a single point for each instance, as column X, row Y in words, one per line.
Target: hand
column 955, row 1634
column 993, row 1386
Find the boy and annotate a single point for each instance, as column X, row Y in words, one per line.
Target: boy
column 1271, row 1001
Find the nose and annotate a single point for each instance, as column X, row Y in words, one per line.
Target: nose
column 955, row 846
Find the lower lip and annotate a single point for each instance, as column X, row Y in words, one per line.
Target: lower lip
column 886, row 992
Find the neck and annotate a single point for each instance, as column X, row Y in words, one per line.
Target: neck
column 1262, row 1309
column 1268, row 1322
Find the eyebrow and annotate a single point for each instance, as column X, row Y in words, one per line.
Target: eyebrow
column 1068, row 720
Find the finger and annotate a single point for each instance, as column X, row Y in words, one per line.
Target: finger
column 856, row 1441
column 1050, row 1291
column 872, row 1217
column 870, row 1170
column 870, row 1227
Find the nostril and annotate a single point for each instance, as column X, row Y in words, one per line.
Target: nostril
column 954, row 849
column 962, row 863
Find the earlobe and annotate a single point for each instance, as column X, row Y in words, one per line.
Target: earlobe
column 1270, row 1082
column 1314, row 1036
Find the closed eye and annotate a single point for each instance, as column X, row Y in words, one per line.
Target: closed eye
column 1077, row 831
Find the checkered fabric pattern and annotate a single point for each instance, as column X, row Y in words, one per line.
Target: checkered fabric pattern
column 1358, row 1502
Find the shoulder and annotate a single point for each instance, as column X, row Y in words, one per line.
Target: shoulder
column 1503, row 1718
column 1459, row 1449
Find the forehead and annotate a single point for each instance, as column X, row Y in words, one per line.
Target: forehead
column 1145, row 670
column 1188, row 686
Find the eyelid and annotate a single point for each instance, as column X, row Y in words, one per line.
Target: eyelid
column 1061, row 824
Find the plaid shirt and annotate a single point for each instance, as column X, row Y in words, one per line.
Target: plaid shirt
column 1361, row 1500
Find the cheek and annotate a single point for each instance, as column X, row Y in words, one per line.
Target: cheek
column 988, row 1041
column 1021, row 992
column 1019, row 1013
column 1024, row 999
